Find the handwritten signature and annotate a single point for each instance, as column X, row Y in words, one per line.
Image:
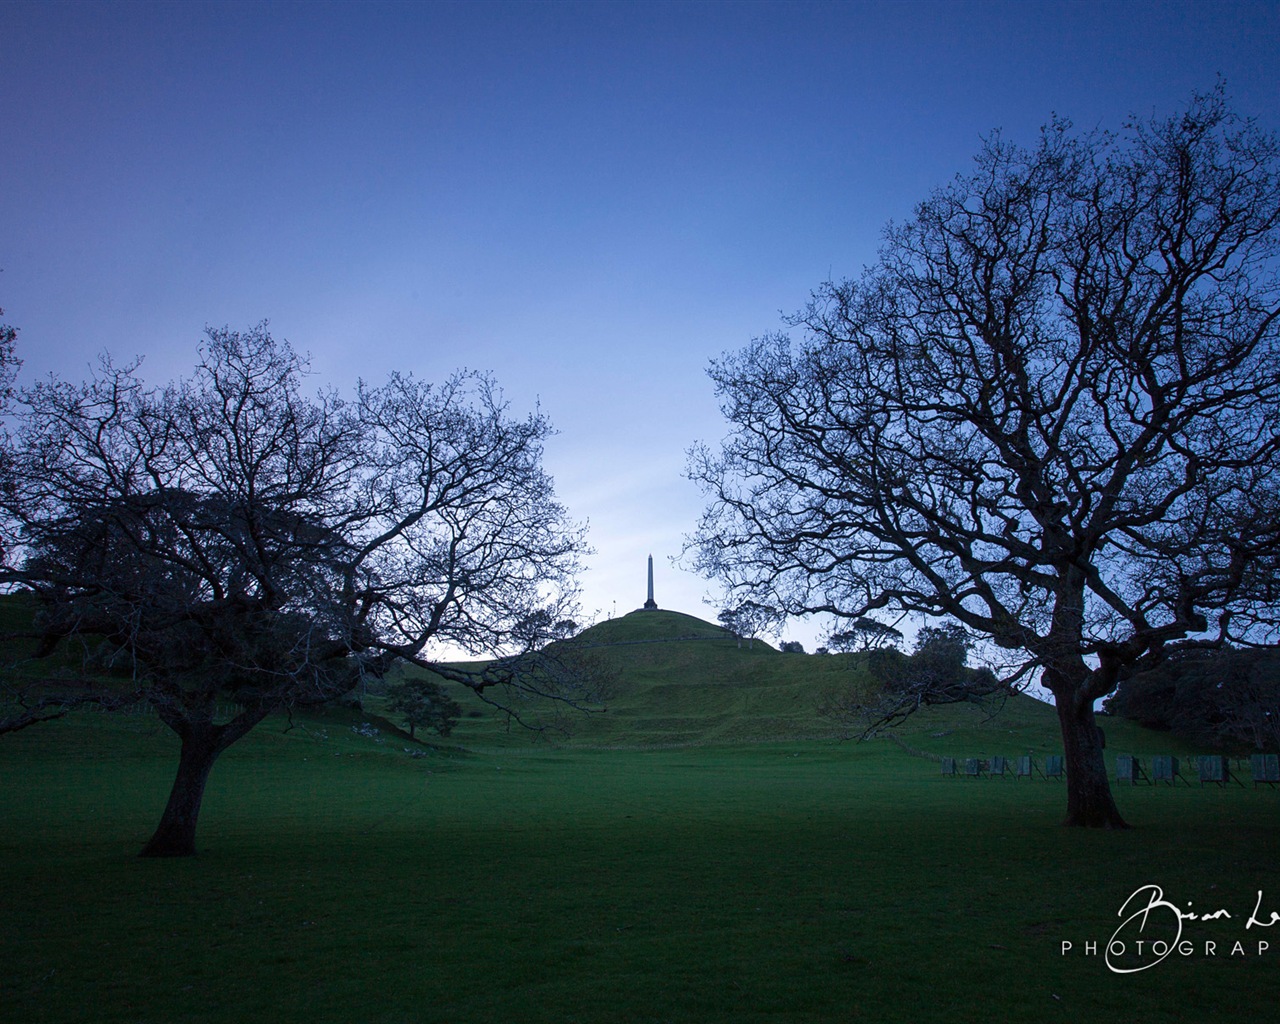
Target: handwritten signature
column 1168, row 919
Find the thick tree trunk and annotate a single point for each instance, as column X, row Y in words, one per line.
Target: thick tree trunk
column 1089, row 800
column 175, row 836
column 202, row 742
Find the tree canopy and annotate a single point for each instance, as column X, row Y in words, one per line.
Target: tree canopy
column 422, row 703
column 748, row 620
column 1048, row 412
column 864, row 634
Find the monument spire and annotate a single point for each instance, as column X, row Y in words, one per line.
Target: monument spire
column 650, row 604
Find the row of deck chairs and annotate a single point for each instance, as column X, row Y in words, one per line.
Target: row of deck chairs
column 1210, row 768
column 1264, row 770
column 1026, row 767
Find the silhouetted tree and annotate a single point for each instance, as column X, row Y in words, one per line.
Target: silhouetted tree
column 9, row 365
column 9, row 362
column 865, row 634
column 946, row 647
column 227, row 542
column 1047, row 412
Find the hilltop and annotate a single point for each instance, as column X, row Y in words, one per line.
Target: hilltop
column 643, row 626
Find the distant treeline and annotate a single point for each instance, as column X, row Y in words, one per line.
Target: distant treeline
column 1226, row 699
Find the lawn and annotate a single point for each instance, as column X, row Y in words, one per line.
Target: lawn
column 341, row 880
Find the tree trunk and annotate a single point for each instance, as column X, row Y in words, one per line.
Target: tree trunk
column 1089, row 800
column 202, row 742
column 175, row 836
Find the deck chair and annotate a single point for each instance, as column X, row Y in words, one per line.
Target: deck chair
column 1164, row 768
column 1215, row 768
column 1265, row 769
column 1129, row 769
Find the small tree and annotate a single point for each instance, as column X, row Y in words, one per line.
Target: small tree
column 422, row 703
column 748, row 620
column 1047, row 412
column 936, row 673
column 943, row 649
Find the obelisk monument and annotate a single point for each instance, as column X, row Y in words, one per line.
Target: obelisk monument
column 650, row 604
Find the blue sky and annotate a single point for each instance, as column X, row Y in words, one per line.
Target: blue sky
column 591, row 200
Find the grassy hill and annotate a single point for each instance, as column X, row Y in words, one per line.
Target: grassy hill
column 684, row 682
column 679, row 681
column 657, row 625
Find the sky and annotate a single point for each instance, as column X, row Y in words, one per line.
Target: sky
column 592, row 201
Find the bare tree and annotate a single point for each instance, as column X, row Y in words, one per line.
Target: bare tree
column 9, row 365
column 9, row 362
column 1050, row 411
column 227, row 541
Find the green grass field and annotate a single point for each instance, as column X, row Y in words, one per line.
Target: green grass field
column 618, row 876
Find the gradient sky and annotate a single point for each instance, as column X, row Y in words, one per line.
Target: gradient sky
column 591, row 200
